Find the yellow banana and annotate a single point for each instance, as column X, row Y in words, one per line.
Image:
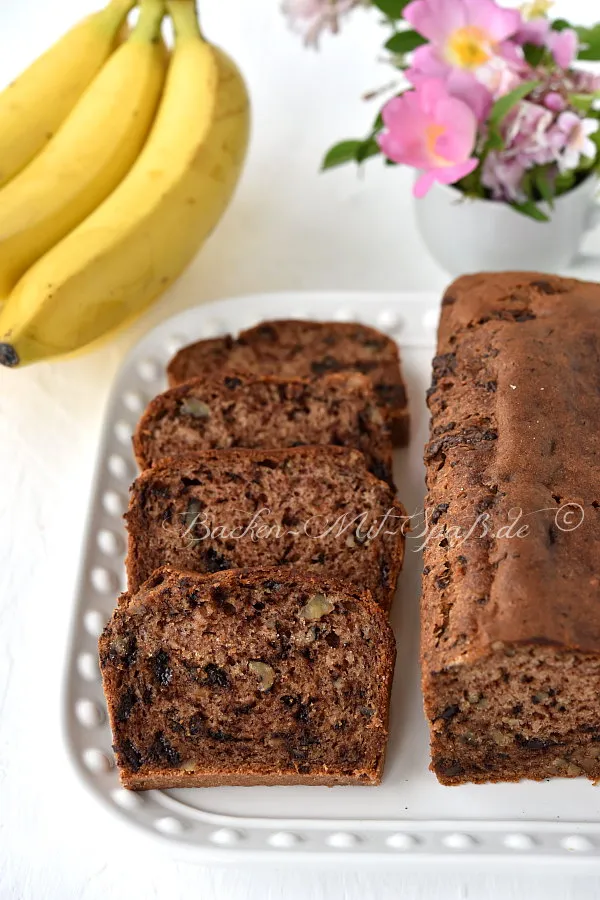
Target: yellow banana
column 139, row 240
column 90, row 154
column 34, row 105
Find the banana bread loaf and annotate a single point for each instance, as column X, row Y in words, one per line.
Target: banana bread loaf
column 299, row 349
column 263, row 412
column 317, row 508
column 511, row 588
column 265, row 676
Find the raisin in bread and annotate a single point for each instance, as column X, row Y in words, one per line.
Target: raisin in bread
column 317, row 508
column 263, row 412
column 263, row 676
column 299, row 349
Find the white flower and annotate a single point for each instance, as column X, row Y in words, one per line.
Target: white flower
column 578, row 140
column 312, row 17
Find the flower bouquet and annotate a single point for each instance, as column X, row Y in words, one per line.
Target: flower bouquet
column 488, row 99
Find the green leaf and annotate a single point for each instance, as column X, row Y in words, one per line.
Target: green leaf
column 368, row 148
column 377, row 124
column 596, row 139
column 582, row 102
column 393, row 9
column 587, row 162
column 534, row 54
column 530, row 209
column 541, row 181
column 471, row 185
column 350, row 151
column 495, row 140
column 564, row 183
column 405, row 42
column 561, row 25
column 590, row 41
column 503, row 106
column 344, row 152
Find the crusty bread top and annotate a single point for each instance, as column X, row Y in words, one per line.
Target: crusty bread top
column 515, row 402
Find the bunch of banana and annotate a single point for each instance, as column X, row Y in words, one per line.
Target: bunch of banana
column 34, row 105
column 107, row 215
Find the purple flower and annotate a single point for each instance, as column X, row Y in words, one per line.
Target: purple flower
column 531, row 139
column 555, row 101
column 312, row 17
column 575, row 135
column 503, row 176
column 584, row 82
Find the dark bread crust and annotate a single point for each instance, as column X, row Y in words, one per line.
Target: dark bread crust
column 292, row 348
column 264, row 412
column 185, row 710
column 511, row 625
column 282, row 505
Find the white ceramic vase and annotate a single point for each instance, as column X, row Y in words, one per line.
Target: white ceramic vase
column 466, row 235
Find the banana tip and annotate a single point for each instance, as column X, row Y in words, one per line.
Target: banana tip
column 8, row 356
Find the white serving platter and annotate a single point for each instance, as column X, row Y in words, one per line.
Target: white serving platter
column 410, row 815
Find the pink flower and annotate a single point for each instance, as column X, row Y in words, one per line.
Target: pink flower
column 464, row 34
column 535, row 32
column 463, row 86
column 501, row 76
column 312, row 17
column 575, row 134
column 564, row 46
column 429, row 129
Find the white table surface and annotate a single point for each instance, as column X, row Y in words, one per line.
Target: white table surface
column 289, row 227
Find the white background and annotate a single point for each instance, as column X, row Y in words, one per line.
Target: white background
column 289, row 227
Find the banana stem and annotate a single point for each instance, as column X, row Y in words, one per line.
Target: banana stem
column 185, row 19
column 148, row 25
column 116, row 12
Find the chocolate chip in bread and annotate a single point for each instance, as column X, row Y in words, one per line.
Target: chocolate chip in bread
column 262, row 412
column 299, row 349
column 264, row 676
column 316, row 508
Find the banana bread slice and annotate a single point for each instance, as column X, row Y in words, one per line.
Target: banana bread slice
column 262, row 676
column 256, row 411
column 510, row 618
column 317, row 508
column 299, row 349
